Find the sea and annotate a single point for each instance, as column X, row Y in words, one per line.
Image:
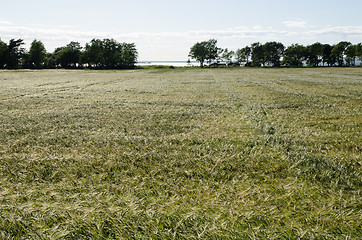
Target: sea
column 190, row 64
column 168, row 63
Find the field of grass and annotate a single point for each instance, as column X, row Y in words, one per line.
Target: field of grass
column 181, row 154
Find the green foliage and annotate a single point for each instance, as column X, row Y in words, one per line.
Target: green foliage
column 273, row 51
column 68, row 56
column 294, row 55
column 327, row 55
column 257, row 54
column 227, row 56
column 14, row 54
column 315, row 54
column 243, row 55
column 205, row 51
column 36, row 57
column 351, row 54
column 3, row 54
column 359, row 51
column 109, row 54
column 339, row 51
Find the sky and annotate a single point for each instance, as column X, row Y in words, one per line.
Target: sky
column 165, row 30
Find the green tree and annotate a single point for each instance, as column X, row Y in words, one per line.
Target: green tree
column 243, row 55
column 294, row 55
column 110, row 54
column 227, row 56
column 212, row 50
column 257, row 54
column 204, row 51
column 129, row 55
column 93, row 54
column 315, row 54
column 50, row 61
column 3, row 54
column 36, row 56
column 273, row 51
column 351, row 54
column 15, row 53
column 68, row 56
column 199, row 52
column 339, row 52
column 359, row 51
column 327, row 56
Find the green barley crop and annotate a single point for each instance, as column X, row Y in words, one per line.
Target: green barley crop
column 181, row 154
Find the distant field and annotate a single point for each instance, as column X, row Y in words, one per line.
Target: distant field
column 181, row 154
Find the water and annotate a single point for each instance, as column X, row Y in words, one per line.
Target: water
column 192, row 63
column 168, row 63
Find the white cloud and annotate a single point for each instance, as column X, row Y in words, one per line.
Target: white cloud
column 176, row 45
column 295, row 24
column 339, row 30
column 5, row 23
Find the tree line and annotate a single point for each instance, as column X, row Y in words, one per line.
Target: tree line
column 97, row 54
column 275, row 54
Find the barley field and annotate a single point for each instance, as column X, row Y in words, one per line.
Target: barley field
column 181, row 154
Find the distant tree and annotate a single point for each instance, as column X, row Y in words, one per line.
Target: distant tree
column 129, row 55
column 243, row 55
column 351, row 54
column 3, row 54
column 359, row 51
column 315, row 54
column 327, row 56
column 93, row 54
column 204, row 51
column 109, row 54
column 227, row 56
column 36, row 56
column 339, row 52
column 199, row 52
column 273, row 51
column 212, row 50
column 294, row 56
column 68, row 56
column 15, row 53
column 50, row 61
column 257, row 54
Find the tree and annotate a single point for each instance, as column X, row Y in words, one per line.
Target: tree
column 273, row 51
column 212, row 50
column 14, row 53
column 227, row 56
column 257, row 54
column 359, row 51
column 243, row 55
column 339, row 52
column 3, row 54
column 204, row 51
column 50, row 61
column 68, row 56
column 129, row 55
column 351, row 54
column 294, row 56
column 327, row 56
column 110, row 54
column 315, row 54
column 37, row 55
column 199, row 52
column 93, row 54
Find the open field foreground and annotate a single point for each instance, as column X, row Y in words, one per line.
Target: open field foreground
column 181, row 154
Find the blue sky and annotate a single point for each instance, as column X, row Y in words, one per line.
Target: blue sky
column 165, row 29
